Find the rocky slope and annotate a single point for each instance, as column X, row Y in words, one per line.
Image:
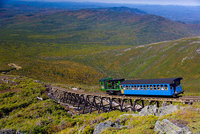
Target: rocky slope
column 28, row 110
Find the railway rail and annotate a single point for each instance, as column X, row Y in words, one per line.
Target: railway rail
column 87, row 102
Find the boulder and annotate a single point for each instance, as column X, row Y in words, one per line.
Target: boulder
column 167, row 127
column 167, row 110
column 149, row 110
column 18, row 132
column 154, row 110
column 103, row 125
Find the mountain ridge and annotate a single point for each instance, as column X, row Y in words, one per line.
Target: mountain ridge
column 111, row 26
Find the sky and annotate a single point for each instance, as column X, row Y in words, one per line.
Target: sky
column 153, row 2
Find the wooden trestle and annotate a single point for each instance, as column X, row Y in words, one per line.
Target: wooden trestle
column 85, row 102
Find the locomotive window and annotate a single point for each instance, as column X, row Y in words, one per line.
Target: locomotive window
column 124, row 87
column 162, row 87
column 141, row 87
column 144, row 87
column 166, row 87
column 121, row 87
column 138, row 87
column 151, row 87
column 158, row 87
column 132, row 87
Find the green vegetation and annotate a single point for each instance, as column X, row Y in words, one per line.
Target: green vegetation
column 109, row 26
column 83, row 46
column 189, row 116
column 84, row 65
column 20, row 110
column 138, row 124
column 76, row 49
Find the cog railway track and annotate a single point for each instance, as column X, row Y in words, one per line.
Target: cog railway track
column 87, row 102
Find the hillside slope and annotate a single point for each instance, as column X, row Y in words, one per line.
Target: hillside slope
column 108, row 26
column 86, row 64
column 26, row 108
column 179, row 58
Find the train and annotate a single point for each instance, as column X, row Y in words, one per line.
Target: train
column 170, row 87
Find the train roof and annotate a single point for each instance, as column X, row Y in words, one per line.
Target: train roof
column 117, row 80
column 110, row 79
column 152, row 81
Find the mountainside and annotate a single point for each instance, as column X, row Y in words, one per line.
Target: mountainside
column 185, row 14
column 86, row 64
column 26, row 108
column 46, row 52
column 109, row 26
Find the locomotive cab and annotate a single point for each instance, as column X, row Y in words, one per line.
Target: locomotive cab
column 110, row 85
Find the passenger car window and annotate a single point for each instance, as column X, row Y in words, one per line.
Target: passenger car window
column 124, row 87
column 158, row 87
column 154, row 87
column 127, row 87
column 166, row 87
column 162, row 88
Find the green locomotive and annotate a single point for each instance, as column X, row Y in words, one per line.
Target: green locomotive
column 111, row 85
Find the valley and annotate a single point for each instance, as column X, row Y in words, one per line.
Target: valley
column 72, row 47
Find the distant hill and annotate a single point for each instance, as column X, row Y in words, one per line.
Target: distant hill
column 110, row 26
column 185, row 14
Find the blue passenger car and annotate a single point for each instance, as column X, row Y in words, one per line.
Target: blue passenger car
column 154, row 87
